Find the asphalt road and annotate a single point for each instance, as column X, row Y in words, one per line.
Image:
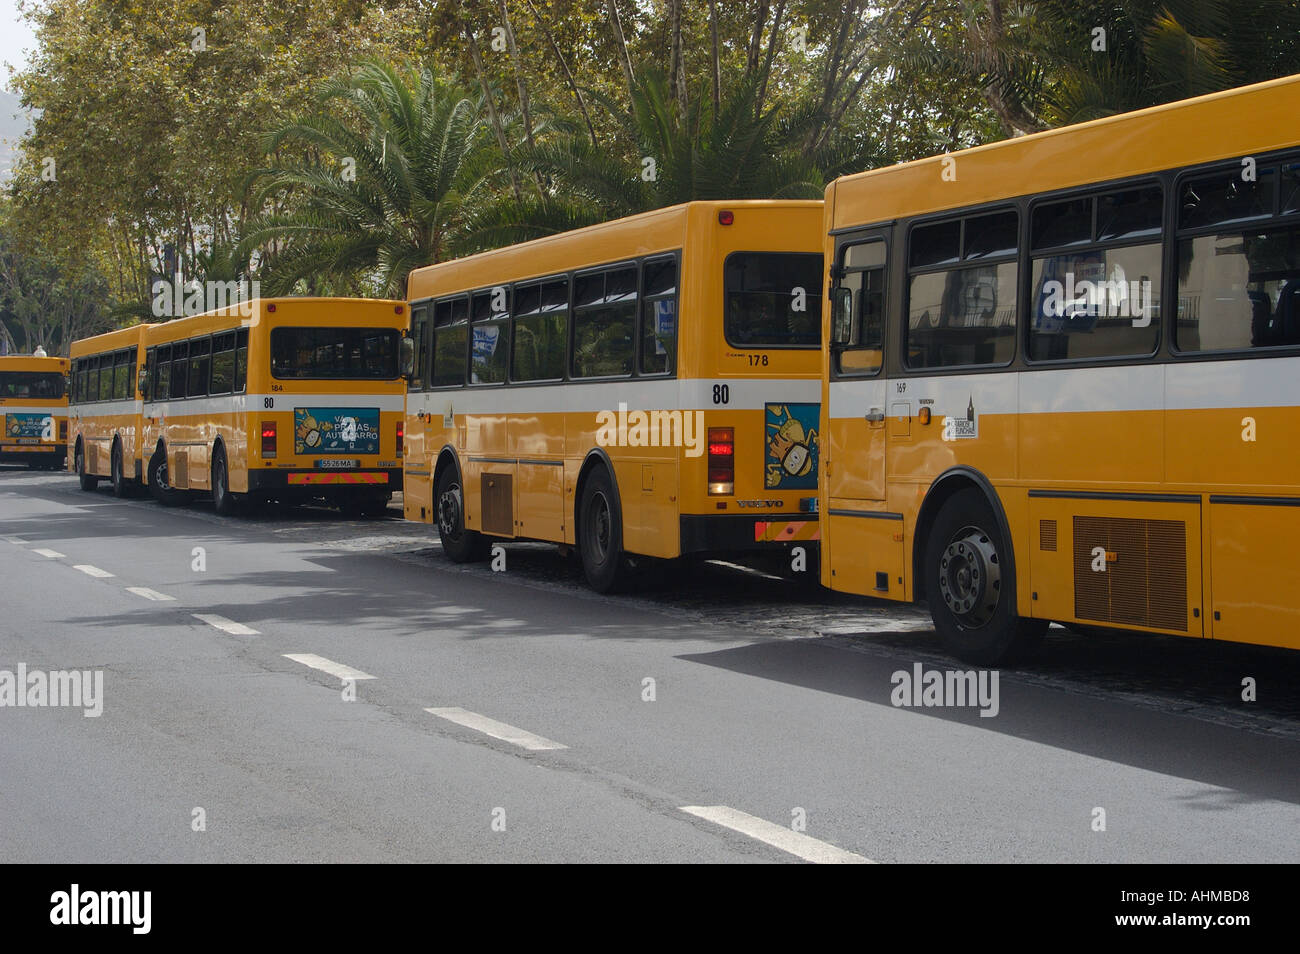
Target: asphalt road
column 761, row 705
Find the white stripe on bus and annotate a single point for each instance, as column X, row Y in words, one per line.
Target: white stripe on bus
column 1264, row 382
column 667, row 395
column 256, row 403
column 53, row 411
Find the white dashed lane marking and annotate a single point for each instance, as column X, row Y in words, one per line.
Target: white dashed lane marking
column 498, row 730
column 149, row 594
column 328, row 665
column 94, row 571
column 793, row 842
column 226, row 625
column 52, row 554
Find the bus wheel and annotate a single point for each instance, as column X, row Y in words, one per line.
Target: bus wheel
column 88, row 481
column 460, row 545
column 600, row 531
column 162, row 491
column 968, row 585
column 223, row 501
column 118, row 480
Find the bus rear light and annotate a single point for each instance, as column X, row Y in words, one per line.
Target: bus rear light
column 63, row 430
column 726, row 217
column 268, row 438
column 401, row 433
column 722, row 461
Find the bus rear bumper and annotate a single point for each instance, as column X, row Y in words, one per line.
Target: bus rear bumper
column 325, row 482
column 704, row 535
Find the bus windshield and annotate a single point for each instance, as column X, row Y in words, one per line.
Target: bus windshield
column 41, row 385
column 773, row 299
column 337, row 353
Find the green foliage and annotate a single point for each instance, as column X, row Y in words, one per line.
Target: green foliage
column 530, row 117
column 387, row 194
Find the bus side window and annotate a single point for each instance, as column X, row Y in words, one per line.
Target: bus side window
column 864, row 278
column 659, row 316
column 419, row 321
column 241, row 360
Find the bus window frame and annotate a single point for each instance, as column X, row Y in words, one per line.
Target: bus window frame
column 575, row 309
column 1093, row 193
column 431, row 333
column 819, row 297
column 1275, row 220
column 643, row 297
column 899, row 320
column 503, row 320
column 884, row 235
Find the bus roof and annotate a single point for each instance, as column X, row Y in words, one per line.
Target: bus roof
column 1243, row 121
column 109, row 340
column 659, row 230
column 29, row 362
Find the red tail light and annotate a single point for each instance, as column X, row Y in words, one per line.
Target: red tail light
column 722, row 461
column 268, row 438
column 401, row 433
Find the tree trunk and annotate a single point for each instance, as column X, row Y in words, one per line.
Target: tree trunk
column 677, row 68
column 493, row 116
column 624, row 59
column 756, row 38
column 771, row 55
column 568, row 75
column 717, row 70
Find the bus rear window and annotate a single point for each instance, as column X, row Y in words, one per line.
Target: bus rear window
column 40, row 385
column 339, row 353
column 773, row 299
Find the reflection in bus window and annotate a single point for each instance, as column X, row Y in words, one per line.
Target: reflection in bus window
column 334, row 353
column 39, row 385
column 1239, row 290
column 773, row 299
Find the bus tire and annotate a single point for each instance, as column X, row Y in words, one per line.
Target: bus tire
column 460, row 545
column 118, row 479
column 87, row 481
column 600, row 534
column 158, row 486
column 970, row 599
column 223, row 501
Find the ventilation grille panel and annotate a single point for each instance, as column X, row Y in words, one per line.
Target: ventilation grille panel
column 1047, row 535
column 497, row 493
column 1145, row 585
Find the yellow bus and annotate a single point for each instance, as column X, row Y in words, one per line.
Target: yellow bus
column 286, row 399
column 644, row 388
column 34, row 410
column 104, row 437
column 1062, row 379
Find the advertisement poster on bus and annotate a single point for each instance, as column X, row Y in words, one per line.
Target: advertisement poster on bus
column 791, row 439
column 336, row 430
column 29, row 428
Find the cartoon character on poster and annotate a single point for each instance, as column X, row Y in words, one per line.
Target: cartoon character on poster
column 791, row 447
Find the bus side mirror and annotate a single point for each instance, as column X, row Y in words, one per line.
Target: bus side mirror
column 142, row 380
column 842, row 316
column 406, row 358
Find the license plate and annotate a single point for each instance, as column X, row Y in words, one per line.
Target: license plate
column 29, row 440
column 334, row 463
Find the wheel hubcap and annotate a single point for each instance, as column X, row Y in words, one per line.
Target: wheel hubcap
column 970, row 577
column 601, row 528
column 449, row 518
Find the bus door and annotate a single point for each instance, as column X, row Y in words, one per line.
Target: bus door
column 863, row 548
column 859, row 405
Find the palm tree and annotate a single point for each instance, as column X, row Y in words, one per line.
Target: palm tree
column 388, row 184
column 667, row 157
